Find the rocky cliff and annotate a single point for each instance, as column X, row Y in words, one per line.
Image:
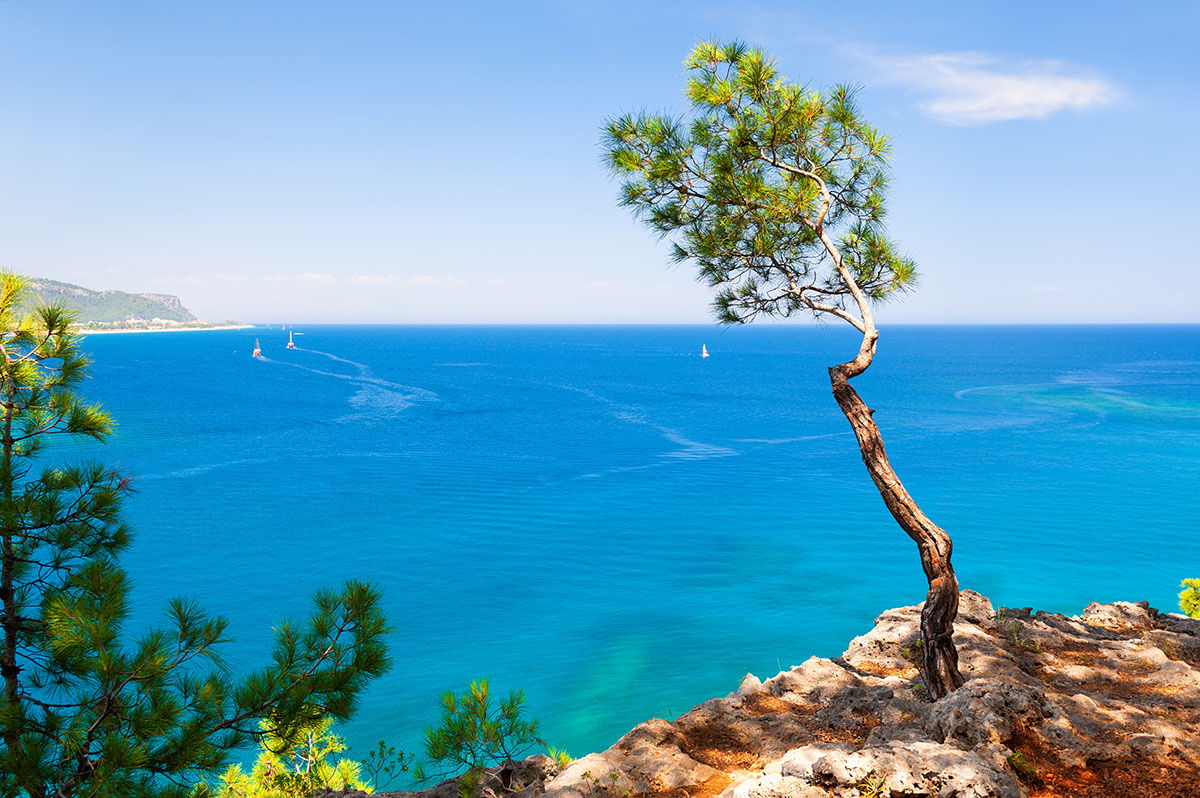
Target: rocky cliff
column 1106, row 704
column 111, row 307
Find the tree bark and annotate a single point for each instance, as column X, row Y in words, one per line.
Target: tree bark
column 939, row 657
column 11, row 623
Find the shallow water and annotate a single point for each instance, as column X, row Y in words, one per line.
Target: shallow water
column 622, row 529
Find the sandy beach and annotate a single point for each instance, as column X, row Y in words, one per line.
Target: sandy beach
column 168, row 329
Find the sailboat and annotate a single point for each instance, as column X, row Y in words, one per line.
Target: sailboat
column 290, row 343
column 703, row 350
column 257, row 350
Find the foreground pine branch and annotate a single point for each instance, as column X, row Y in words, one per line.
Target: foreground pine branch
column 83, row 711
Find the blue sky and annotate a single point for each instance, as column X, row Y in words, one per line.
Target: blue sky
column 400, row 162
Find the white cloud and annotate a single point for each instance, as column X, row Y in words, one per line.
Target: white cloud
column 307, row 277
column 405, row 279
column 445, row 282
column 977, row 89
column 1044, row 289
column 376, row 279
column 200, row 279
column 497, row 281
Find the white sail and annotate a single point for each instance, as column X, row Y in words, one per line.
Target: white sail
column 703, row 350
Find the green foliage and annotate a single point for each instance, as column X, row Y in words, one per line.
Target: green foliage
column 291, row 768
column 105, row 307
column 602, row 788
column 470, row 783
column 1016, row 634
column 475, row 733
column 775, row 191
column 1189, row 598
column 82, row 710
column 873, row 787
column 1026, row 771
column 560, row 757
column 385, row 761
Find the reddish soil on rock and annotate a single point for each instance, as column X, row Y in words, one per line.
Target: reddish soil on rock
column 1048, row 777
column 718, row 746
column 879, row 669
column 709, row 789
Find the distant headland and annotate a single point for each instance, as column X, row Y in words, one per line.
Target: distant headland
column 118, row 311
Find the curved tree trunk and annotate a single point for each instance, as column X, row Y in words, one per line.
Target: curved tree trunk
column 939, row 658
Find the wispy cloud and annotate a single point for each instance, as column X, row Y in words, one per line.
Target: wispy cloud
column 319, row 279
column 406, row 279
column 199, row 279
column 303, row 277
column 977, row 89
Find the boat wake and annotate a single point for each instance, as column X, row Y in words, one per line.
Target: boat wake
column 197, row 470
column 375, row 396
column 801, row 439
column 1005, row 388
column 362, row 368
column 689, row 449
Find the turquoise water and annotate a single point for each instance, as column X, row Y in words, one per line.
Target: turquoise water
column 622, row 529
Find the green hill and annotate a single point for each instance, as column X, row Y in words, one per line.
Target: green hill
column 115, row 308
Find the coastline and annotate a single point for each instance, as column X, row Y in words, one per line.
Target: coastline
column 1053, row 706
column 168, row 329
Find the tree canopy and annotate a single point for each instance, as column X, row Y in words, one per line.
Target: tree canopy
column 775, row 191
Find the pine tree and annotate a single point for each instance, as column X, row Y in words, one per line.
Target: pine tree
column 476, row 733
column 82, row 711
column 777, row 194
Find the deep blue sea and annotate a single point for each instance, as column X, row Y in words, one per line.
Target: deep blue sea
column 622, row 529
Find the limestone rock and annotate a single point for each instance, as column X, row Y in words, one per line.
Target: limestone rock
column 798, row 763
column 984, row 711
column 975, row 608
column 750, row 685
column 773, row 785
column 646, row 760
column 1120, row 616
column 1107, row 699
column 915, row 769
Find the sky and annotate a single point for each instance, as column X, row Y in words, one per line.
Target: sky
column 394, row 162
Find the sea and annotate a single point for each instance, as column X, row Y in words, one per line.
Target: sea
column 621, row 529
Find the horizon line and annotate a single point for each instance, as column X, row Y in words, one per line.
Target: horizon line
column 719, row 325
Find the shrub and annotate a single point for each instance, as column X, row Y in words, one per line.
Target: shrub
column 1189, row 598
column 1026, row 771
column 385, row 760
column 292, row 768
column 560, row 757
column 477, row 732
